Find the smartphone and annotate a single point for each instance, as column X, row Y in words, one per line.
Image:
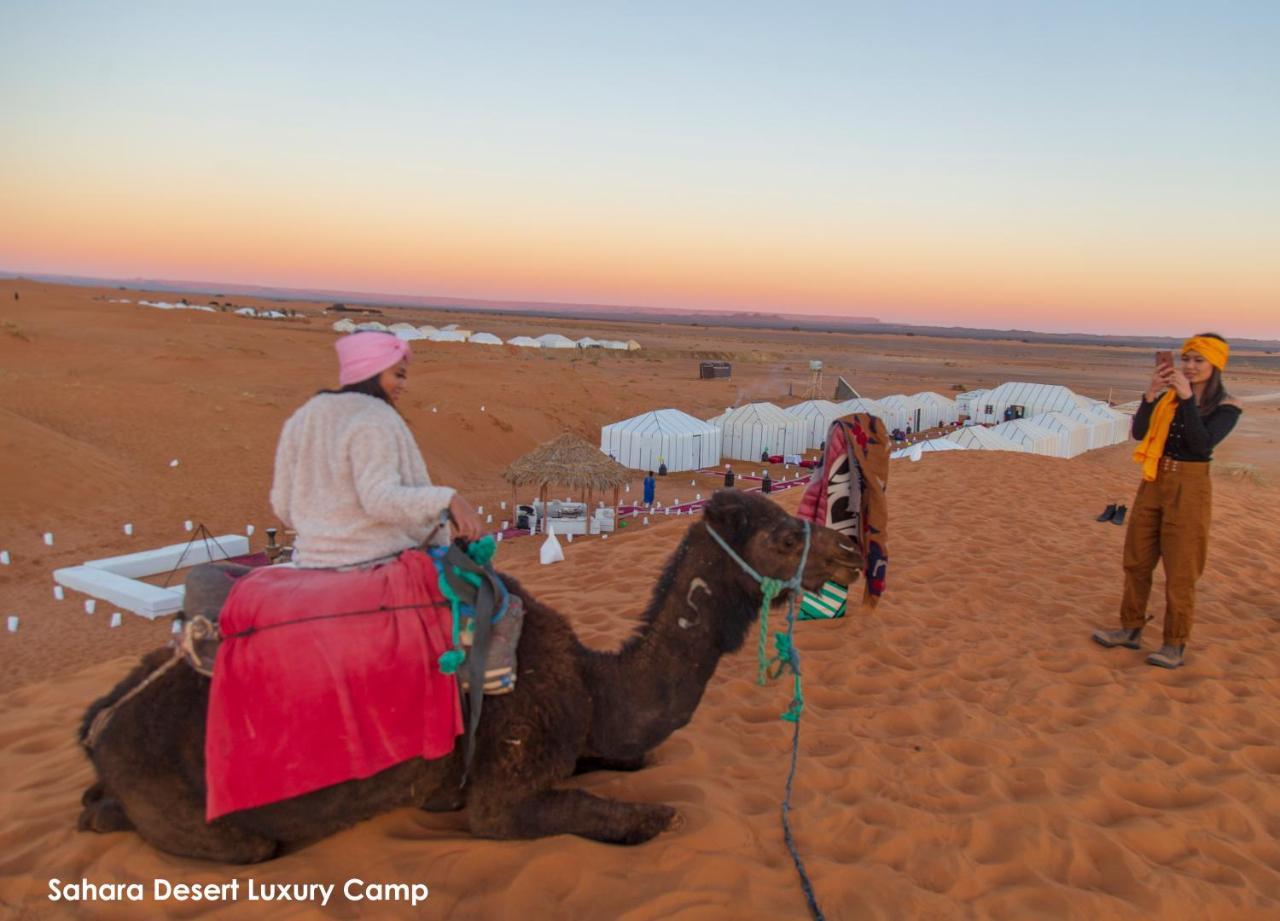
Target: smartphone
column 1164, row 358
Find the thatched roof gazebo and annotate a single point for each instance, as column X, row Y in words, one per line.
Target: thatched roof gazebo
column 567, row 461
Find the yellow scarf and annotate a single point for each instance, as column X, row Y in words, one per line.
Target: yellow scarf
column 1151, row 448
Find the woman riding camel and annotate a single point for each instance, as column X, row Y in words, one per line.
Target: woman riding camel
column 1170, row 520
column 349, row 477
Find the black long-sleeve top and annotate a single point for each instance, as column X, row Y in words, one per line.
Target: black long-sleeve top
column 1192, row 437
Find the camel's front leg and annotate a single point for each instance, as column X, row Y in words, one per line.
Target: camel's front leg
column 570, row 812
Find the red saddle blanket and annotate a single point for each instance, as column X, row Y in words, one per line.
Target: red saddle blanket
column 308, row 693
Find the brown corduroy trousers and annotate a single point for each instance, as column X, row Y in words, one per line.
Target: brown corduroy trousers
column 1170, row 522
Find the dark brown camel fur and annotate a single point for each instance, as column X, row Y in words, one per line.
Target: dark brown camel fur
column 572, row 709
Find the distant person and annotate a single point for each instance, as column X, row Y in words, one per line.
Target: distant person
column 766, row 484
column 728, row 477
column 1183, row 415
column 662, row 469
column 764, row 456
column 650, row 488
column 1008, row 413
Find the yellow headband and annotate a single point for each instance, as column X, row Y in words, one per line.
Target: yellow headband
column 1214, row 351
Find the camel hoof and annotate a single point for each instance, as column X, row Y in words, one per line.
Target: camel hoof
column 103, row 817
column 653, row 821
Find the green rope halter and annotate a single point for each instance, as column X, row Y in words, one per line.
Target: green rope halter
column 770, row 588
column 482, row 552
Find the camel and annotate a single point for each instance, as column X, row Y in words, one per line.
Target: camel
column 573, row 709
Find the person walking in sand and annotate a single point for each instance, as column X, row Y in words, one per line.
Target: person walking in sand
column 728, row 476
column 1185, row 413
column 349, row 477
column 650, row 488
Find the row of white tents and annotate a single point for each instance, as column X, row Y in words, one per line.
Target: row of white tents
column 451, row 333
column 1056, row 422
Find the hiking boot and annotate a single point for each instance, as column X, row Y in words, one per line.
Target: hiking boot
column 1129, row 639
column 1167, row 657
column 1108, row 512
column 1118, row 517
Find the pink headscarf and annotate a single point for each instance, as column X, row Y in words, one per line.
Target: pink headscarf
column 363, row 355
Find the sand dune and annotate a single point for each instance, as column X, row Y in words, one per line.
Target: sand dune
column 966, row 751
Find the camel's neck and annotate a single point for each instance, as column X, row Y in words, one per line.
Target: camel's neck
column 650, row 688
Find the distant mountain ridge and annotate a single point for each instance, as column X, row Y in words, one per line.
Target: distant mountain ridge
column 616, row 312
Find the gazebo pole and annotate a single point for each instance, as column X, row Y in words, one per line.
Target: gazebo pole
column 545, row 510
column 615, row 500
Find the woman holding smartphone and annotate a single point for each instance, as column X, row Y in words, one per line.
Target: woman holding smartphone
column 1183, row 416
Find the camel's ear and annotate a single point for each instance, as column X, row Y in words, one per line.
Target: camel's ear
column 727, row 512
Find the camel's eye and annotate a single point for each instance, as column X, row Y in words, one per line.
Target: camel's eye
column 790, row 540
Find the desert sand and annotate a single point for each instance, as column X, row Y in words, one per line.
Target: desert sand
column 966, row 752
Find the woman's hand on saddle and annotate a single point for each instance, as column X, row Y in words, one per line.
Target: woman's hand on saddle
column 466, row 523
column 1161, row 381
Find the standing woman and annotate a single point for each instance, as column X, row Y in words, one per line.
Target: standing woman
column 349, row 477
column 1170, row 520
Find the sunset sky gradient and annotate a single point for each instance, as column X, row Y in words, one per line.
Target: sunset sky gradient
column 1102, row 167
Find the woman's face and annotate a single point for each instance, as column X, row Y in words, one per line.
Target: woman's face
column 1195, row 368
column 394, row 380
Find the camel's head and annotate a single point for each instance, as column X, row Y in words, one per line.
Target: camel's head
column 771, row 541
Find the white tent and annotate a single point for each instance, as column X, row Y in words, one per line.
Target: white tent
column 969, row 402
column 249, row 312
column 936, row 409
column 816, row 416
column 426, row 329
column 976, row 438
column 751, row 430
column 524, row 342
column 1031, row 399
column 616, row 344
column 633, row 346
column 449, row 335
column 874, row 407
column 662, row 436
column 368, row 326
column 556, row 341
column 1073, row 429
column 405, row 332
column 344, row 326
column 1112, row 427
column 1033, row 438
column 586, row 342
column 908, row 411
column 927, row 447
column 485, row 339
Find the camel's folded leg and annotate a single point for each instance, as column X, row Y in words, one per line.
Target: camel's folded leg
column 588, row 764
column 104, row 815
column 570, row 812
column 170, row 818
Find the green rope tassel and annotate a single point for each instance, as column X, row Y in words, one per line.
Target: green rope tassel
column 786, row 658
column 481, row 552
column 770, row 588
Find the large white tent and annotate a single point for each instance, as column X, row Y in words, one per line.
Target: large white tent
column 405, row 331
column 816, row 416
column 485, row 339
column 662, row 436
column 524, row 342
column 874, row 407
column 1031, row 399
column 936, row 409
column 1071, row 426
column 344, row 326
column 976, row 438
column 1032, row 437
column 907, row 411
column 970, row 401
column 556, row 341
column 751, row 430
column 368, row 325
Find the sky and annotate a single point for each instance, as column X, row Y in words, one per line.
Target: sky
column 1087, row 166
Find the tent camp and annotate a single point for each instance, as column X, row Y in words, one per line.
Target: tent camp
column 816, row 416
column 449, row 335
column 1071, row 426
column 662, row 436
column 751, row 430
column 976, row 438
column 485, row 339
column 524, row 342
column 556, row 341
column 1033, row 438
column 936, row 409
column 1026, row 400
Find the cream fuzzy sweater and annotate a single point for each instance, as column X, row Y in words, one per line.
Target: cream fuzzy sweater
column 350, row 479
